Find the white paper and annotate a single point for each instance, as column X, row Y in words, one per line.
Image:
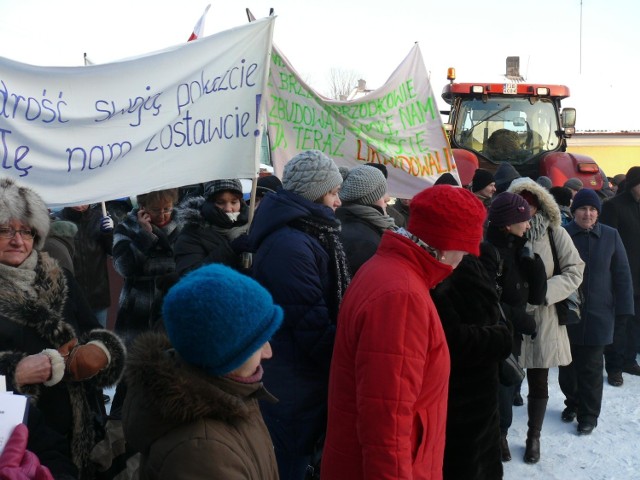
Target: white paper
column 13, row 410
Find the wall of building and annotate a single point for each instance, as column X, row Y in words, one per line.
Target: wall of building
column 613, row 152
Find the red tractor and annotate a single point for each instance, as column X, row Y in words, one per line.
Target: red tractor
column 519, row 123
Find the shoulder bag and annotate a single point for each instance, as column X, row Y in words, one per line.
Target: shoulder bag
column 510, row 372
column 568, row 310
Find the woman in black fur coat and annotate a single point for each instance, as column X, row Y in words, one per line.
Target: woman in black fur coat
column 52, row 347
column 521, row 277
column 467, row 303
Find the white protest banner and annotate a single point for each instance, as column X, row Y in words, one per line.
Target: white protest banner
column 397, row 125
column 185, row 115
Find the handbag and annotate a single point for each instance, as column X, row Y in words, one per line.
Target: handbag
column 510, row 373
column 568, row 310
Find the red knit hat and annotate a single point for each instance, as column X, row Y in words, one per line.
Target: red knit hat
column 447, row 218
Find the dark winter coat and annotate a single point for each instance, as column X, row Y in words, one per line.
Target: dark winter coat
column 523, row 280
column 606, row 284
column 622, row 212
column 145, row 260
column 207, row 235
column 399, row 212
column 59, row 314
column 294, row 267
column 91, row 254
column 189, row 425
column 360, row 238
column 467, row 303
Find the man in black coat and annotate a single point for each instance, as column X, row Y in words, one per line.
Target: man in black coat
column 623, row 212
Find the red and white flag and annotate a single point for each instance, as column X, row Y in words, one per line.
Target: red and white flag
column 198, row 30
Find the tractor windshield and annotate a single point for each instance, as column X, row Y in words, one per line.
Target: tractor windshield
column 502, row 129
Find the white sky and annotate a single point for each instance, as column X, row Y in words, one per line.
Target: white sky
column 369, row 38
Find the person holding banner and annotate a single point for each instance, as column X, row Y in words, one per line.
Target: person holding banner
column 211, row 223
column 93, row 243
column 299, row 259
column 363, row 214
column 51, row 345
column 390, row 366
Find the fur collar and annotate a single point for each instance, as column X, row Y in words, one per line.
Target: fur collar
column 177, row 393
column 43, row 312
column 548, row 205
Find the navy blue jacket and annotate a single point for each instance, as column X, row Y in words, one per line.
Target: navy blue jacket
column 294, row 267
column 622, row 212
column 606, row 284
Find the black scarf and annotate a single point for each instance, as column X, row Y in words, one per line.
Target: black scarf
column 326, row 232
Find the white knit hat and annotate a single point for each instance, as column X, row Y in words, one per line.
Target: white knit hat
column 311, row 174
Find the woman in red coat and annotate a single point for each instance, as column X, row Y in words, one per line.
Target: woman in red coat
column 390, row 366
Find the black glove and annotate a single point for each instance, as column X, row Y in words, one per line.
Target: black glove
column 524, row 322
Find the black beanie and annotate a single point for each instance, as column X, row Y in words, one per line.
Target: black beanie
column 268, row 183
column 505, row 174
column 586, row 197
column 562, row 195
column 379, row 166
column 481, row 178
column 447, row 179
column 632, row 179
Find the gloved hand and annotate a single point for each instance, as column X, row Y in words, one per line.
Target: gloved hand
column 17, row 463
column 106, row 224
column 83, row 361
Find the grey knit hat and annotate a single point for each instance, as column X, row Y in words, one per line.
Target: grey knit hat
column 544, row 181
column 573, row 183
column 311, row 174
column 23, row 204
column 217, row 186
column 363, row 185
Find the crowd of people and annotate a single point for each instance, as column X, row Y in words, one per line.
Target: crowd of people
column 383, row 328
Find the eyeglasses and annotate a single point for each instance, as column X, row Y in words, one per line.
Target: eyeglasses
column 10, row 232
column 158, row 211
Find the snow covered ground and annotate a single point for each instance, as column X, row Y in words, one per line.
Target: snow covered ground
column 611, row 452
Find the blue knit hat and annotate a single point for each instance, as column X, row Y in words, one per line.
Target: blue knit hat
column 586, row 197
column 216, row 318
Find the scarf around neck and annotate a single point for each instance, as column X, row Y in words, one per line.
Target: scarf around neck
column 539, row 225
column 327, row 234
column 371, row 215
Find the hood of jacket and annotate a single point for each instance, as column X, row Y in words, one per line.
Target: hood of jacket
column 164, row 392
column 279, row 209
column 194, row 210
column 548, row 205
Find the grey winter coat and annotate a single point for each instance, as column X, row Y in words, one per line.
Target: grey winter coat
column 550, row 347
